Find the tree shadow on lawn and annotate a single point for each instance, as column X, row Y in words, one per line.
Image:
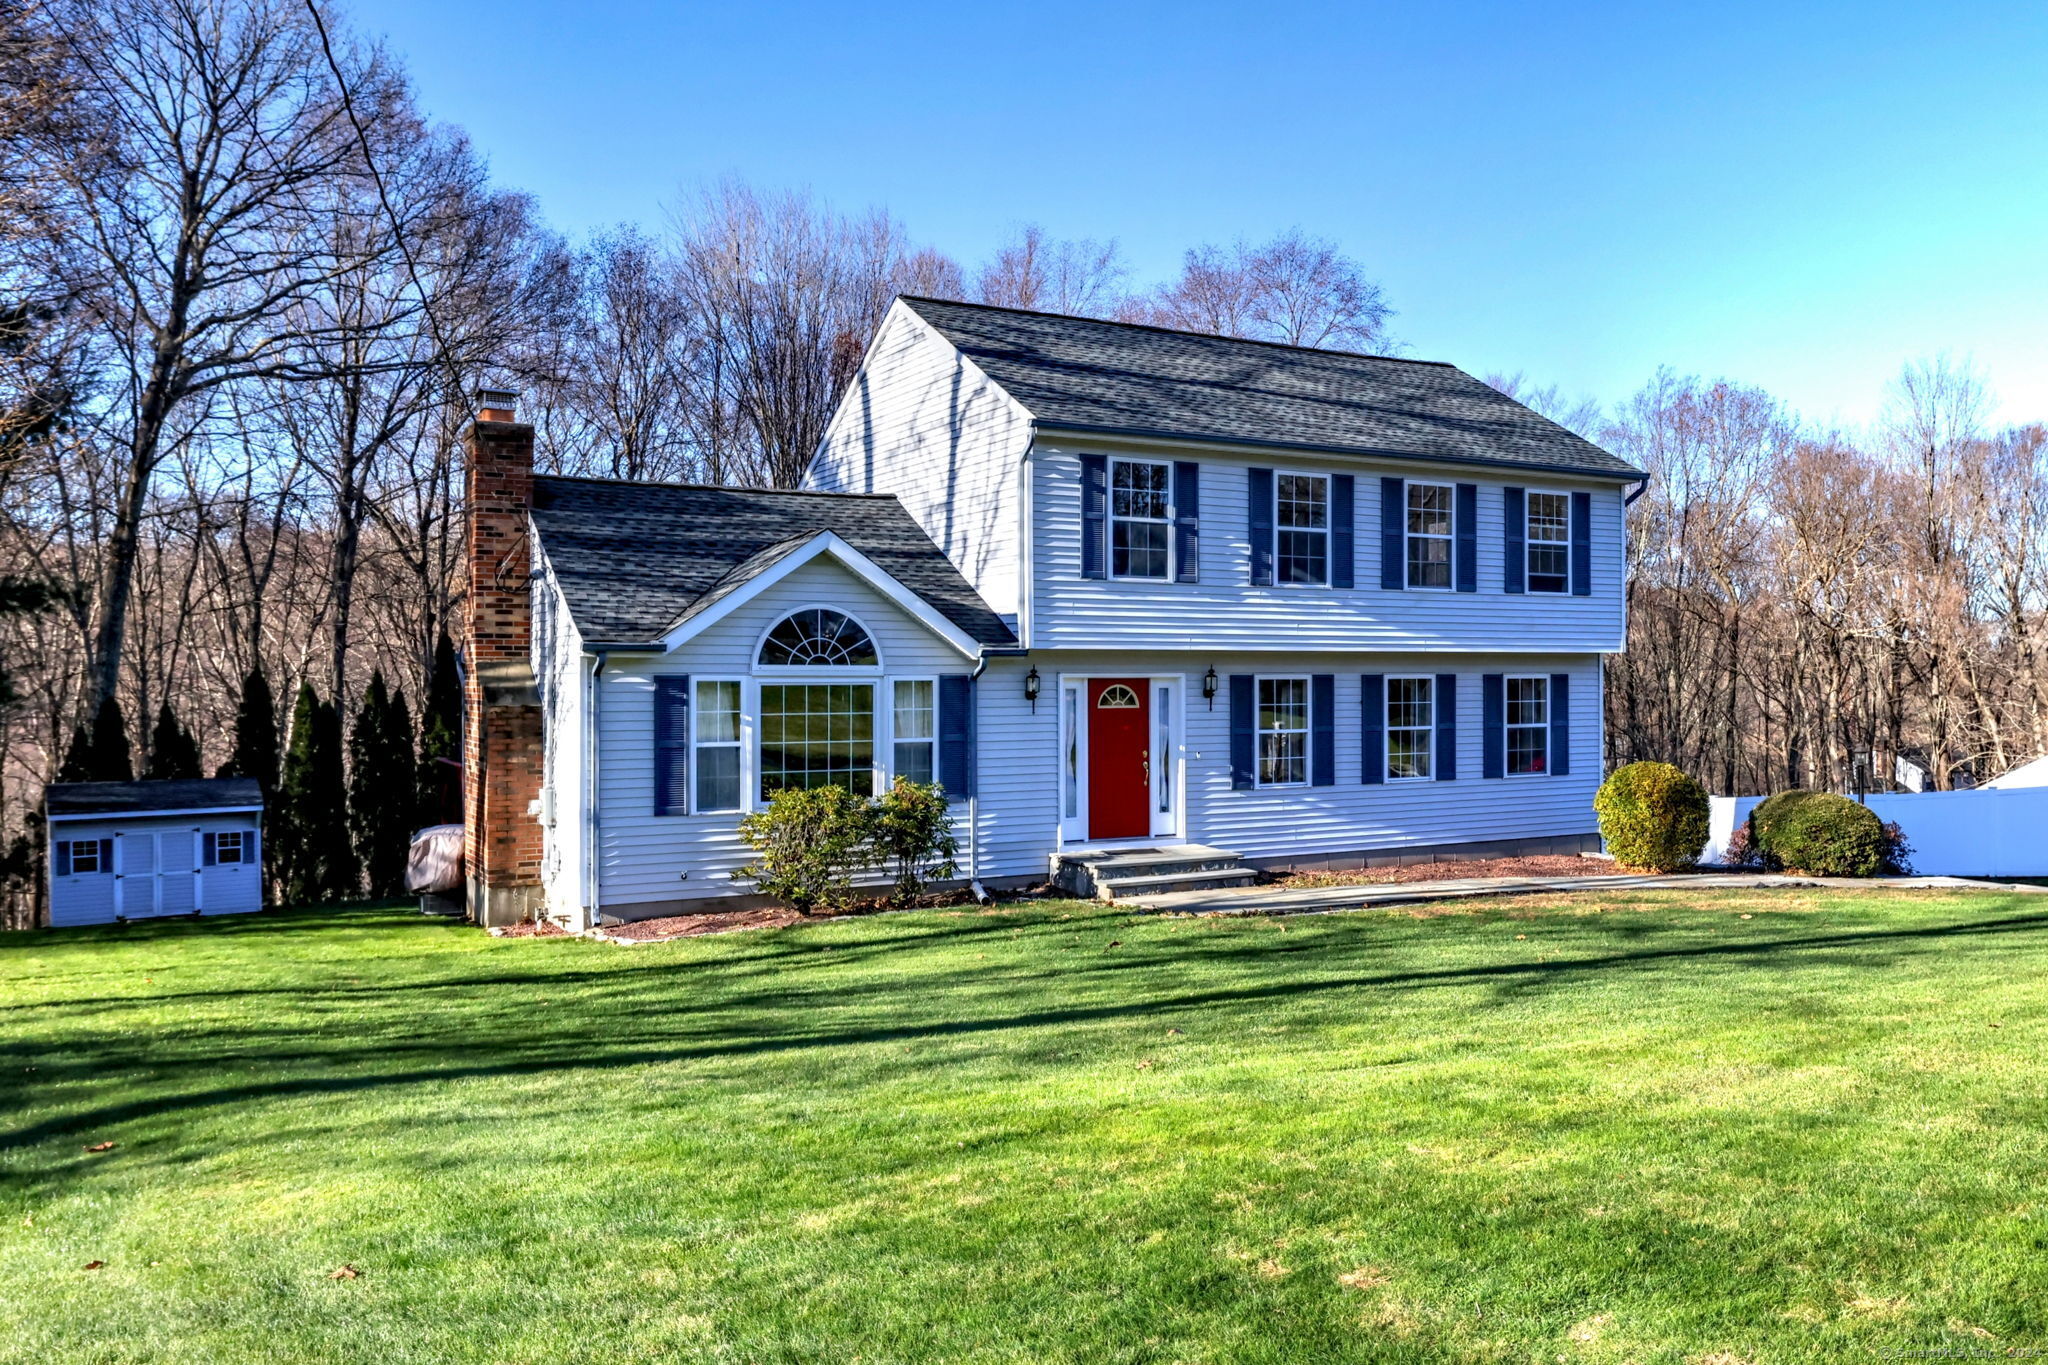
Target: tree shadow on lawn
column 507, row 1035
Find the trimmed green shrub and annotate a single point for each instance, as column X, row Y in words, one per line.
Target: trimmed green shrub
column 1831, row 836
column 808, row 844
column 1652, row 816
column 913, row 833
column 1766, row 817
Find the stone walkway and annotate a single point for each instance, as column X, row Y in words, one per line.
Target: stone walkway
column 1320, row 900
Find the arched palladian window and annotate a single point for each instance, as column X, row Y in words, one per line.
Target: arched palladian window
column 819, row 637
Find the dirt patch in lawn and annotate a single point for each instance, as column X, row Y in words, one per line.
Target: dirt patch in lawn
column 1547, row 865
column 695, row 926
column 545, row 928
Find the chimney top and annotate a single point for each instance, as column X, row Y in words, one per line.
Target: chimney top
column 497, row 405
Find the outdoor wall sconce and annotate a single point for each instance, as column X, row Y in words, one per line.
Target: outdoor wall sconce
column 1209, row 687
column 1031, row 688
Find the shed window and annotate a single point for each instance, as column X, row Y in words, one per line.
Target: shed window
column 1283, row 731
column 1549, row 542
column 78, row 857
column 228, row 846
column 1429, row 535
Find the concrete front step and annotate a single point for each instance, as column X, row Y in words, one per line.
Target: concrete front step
column 1166, row 883
column 1129, row 871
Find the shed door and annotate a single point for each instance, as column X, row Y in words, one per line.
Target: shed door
column 138, row 876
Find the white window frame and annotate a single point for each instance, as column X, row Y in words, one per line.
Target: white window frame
column 1109, row 545
column 1449, row 538
column 1325, row 530
column 698, row 744
column 753, row 770
column 1307, row 731
column 241, row 838
column 1529, row 542
column 72, row 857
column 888, row 710
column 783, row 671
column 1387, row 727
column 1507, row 728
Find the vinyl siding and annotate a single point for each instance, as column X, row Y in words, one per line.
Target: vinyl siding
column 173, row 882
column 919, row 421
column 648, row 858
column 559, row 671
column 1224, row 611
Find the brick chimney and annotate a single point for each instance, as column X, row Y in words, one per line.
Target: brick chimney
column 501, row 733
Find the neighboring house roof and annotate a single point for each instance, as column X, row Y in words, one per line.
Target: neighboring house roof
column 1115, row 378
column 2030, row 774
column 142, row 798
column 636, row 560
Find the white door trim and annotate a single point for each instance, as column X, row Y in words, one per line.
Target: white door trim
column 1171, row 823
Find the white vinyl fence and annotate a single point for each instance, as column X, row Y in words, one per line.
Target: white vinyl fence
column 1991, row 832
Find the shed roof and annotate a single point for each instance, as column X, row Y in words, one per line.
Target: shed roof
column 634, row 560
column 1129, row 379
column 146, row 798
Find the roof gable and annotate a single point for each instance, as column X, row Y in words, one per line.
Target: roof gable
column 1112, row 378
column 636, row 562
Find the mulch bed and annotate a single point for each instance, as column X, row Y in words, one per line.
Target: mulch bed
column 546, row 928
column 774, row 917
column 1548, row 865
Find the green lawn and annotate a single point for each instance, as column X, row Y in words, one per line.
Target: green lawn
column 1653, row 1127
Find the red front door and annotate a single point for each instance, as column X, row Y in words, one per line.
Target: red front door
column 1119, row 768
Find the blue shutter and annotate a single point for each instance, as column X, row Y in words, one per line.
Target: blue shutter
column 956, row 735
column 209, row 850
column 1094, row 516
column 1393, row 533
column 1467, row 550
column 1243, row 739
column 63, row 857
column 1322, row 730
column 1514, row 505
column 1446, row 727
column 1560, row 724
column 106, row 855
column 1493, row 721
column 1259, row 497
column 1582, row 544
column 1343, row 529
column 1187, row 521
column 1372, row 715
column 671, row 745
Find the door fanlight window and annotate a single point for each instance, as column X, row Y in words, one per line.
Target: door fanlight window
column 1118, row 697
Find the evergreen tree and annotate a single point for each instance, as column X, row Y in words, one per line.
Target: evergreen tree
column 256, row 744
column 310, row 821
column 173, row 752
column 439, row 781
column 100, row 754
column 380, row 764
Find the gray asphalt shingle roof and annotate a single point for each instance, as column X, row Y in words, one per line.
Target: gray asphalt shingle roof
column 636, row 559
column 130, row 798
column 1087, row 375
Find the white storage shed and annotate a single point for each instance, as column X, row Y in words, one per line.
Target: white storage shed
column 141, row 850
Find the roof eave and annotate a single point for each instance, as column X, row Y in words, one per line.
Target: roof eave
column 1046, row 427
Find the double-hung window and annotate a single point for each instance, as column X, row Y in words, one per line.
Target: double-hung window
column 1283, row 731
column 1429, row 534
column 1549, row 542
column 717, row 744
column 914, row 714
column 1301, row 516
column 227, row 846
column 1411, row 725
column 1528, row 725
column 76, row 857
column 1139, row 519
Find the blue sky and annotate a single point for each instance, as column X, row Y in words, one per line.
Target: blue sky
column 1801, row 197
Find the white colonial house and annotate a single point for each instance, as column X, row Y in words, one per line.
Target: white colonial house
column 1156, row 608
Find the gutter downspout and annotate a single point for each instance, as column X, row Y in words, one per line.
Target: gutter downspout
column 1642, row 487
column 980, row 892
